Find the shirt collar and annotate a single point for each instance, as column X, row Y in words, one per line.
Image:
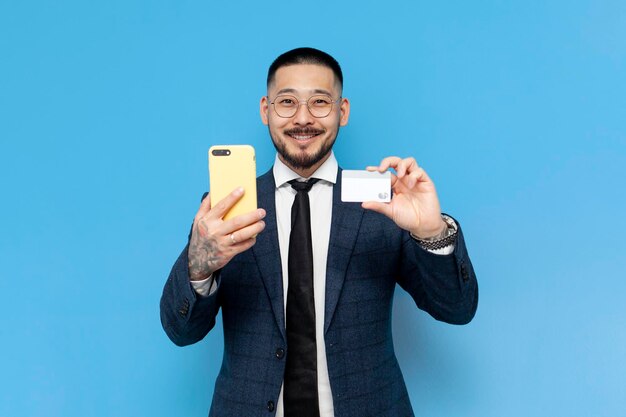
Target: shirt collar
column 326, row 172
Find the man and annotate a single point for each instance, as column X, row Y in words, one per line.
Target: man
column 306, row 309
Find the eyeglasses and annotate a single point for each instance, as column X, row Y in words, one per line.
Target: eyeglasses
column 319, row 106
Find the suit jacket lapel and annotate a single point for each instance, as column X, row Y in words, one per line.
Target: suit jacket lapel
column 346, row 219
column 345, row 223
column 266, row 249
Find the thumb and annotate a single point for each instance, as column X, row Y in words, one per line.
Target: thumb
column 205, row 206
column 382, row 208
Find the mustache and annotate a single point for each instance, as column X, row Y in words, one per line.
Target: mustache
column 304, row 131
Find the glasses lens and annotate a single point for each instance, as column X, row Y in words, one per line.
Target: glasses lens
column 320, row 106
column 286, row 106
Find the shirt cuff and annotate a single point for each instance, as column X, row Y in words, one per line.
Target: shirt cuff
column 204, row 287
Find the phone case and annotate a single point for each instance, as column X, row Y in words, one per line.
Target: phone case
column 232, row 166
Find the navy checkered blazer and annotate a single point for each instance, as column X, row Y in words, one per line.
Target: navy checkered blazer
column 368, row 254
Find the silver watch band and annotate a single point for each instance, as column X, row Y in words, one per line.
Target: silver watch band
column 445, row 238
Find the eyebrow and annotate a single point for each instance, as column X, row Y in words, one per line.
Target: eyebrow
column 294, row 91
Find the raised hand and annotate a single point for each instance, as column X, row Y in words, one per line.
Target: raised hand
column 214, row 241
column 414, row 205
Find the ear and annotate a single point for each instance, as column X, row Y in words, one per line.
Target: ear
column 345, row 111
column 263, row 109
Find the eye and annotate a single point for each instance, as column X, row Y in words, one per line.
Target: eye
column 285, row 101
column 320, row 101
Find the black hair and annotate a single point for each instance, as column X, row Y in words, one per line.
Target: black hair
column 305, row 56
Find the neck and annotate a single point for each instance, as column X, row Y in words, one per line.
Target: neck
column 305, row 172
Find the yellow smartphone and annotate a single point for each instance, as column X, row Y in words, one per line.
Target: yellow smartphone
column 232, row 166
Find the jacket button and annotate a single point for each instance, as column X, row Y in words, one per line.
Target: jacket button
column 270, row 406
column 464, row 272
column 184, row 309
column 280, row 353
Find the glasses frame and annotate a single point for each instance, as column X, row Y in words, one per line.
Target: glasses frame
column 301, row 102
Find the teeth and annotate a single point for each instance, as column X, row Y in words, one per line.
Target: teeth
column 300, row 137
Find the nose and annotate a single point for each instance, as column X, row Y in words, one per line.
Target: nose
column 303, row 116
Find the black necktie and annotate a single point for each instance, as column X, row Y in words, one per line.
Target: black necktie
column 300, row 390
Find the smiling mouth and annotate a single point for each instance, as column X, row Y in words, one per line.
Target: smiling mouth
column 303, row 134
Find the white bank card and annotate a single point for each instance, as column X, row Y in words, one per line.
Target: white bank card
column 359, row 186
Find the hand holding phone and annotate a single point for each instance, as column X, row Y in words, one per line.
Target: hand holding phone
column 215, row 241
column 216, row 237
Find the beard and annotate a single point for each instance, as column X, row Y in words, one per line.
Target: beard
column 303, row 160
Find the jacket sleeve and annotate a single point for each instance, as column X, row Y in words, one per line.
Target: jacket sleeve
column 445, row 286
column 186, row 316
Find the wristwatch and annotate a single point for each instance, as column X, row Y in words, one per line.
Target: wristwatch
column 445, row 238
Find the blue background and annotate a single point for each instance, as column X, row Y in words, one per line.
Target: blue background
column 515, row 108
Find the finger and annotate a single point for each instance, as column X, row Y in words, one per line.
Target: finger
column 419, row 175
column 406, row 165
column 388, row 162
column 382, row 208
column 222, row 207
column 247, row 232
column 394, row 181
column 241, row 221
column 233, row 239
column 398, row 185
column 241, row 246
column 422, row 176
column 412, row 179
column 205, row 206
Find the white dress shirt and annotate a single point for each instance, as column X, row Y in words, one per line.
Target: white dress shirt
column 321, row 201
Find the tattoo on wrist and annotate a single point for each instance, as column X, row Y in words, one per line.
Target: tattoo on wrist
column 203, row 258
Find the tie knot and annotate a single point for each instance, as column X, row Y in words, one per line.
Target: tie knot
column 303, row 185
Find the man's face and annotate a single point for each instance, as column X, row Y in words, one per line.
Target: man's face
column 303, row 141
